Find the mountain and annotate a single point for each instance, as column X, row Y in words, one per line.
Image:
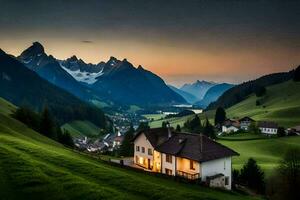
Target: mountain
column 112, row 81
column 129, row 85
column 50, row 69
column 22, row 86
column 213, row 94
column 198, row 89
column 187, row 96
column 240, row 92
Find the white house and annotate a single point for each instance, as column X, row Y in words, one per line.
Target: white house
column 187, row 155
column 229, row 128
column 245, row 123
column 267, row 127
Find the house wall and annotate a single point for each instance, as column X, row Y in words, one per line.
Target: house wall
column 271, row 131
column 245, row 125
column 183, row 164
column 165, row 164
column 213, row 167
column 229, row 129
column 142, row 160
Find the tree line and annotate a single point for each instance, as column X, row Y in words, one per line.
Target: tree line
column 45, row 124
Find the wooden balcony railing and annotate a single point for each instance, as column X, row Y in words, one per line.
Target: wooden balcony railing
column 188, row 175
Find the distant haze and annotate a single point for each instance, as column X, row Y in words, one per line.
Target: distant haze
column 182, row 41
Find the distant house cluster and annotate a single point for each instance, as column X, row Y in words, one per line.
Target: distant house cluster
column 109, row 142
column 234, row 125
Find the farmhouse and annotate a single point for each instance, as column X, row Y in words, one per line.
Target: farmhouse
column 245, row 123
column 268, row 127
column 229, row 128
column 187, row 155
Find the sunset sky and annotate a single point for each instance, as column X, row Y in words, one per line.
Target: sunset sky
column 181, row 41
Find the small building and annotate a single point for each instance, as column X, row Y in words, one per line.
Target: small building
column 229, row 128
column 268, row 127
column 187, row 155
column 245, row 123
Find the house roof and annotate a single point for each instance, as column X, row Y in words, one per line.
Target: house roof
column 246, row 119
column 267, row 124
column 187, row 145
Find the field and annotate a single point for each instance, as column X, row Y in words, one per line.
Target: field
column 35, row 167
column 280, row 104
column 266, row 151
column 82, row 128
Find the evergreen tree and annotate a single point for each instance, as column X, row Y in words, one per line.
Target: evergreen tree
column 164, row 124
column 194, row 125
column 47, row 126
column 208, row 130
column 297, row 74
column 143, row 126
column 66, row 139
column 220, row 116
column 253, row 176
column 260, row 91
column 280, row 131
column 127, row 146
column 178, row 129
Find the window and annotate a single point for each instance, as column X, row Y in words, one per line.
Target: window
column 137, row 148
column 168, row 158
column 226, row 180
column 150, row 152
column 192, row 166
column 143, row 149
column 168, row 171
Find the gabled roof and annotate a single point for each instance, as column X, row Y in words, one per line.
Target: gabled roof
column 187, row 145
column 246, row 119
column 156, row 136
column 267, row 124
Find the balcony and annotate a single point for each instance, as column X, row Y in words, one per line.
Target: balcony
column 188, row 175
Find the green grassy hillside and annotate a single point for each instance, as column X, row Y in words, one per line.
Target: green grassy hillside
column 281, row 104
column 266, row 151
column 35, row 167
column 82, row 128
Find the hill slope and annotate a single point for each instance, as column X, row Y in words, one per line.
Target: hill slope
column 35, row 167
column 268, row 152
column 242, row 91
column 281, row 104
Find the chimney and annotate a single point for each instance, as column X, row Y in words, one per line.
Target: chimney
column 169, row 130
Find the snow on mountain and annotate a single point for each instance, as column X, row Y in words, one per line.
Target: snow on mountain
column 83, row 76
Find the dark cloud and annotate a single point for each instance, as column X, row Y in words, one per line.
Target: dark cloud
column 87, row 41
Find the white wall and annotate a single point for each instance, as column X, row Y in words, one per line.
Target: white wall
column 168, row 165
column 271, row 131
column 218, row 166
column 229, row 129
column 142, row 141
